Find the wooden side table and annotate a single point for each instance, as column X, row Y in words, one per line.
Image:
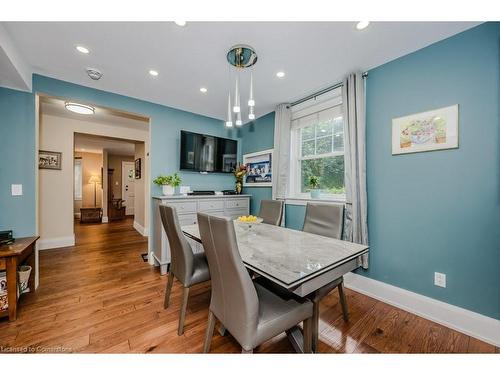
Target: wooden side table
column 90, row 215
column 11, row 256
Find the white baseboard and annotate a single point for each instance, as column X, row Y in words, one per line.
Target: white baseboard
column 77, row 215
column 104, row 219
column 55, row 242
column 138, row 227
column 468, row 322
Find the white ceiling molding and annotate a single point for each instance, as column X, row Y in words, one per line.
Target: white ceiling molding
column 14, row 72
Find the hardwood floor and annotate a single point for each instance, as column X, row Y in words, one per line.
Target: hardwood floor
column 100, row 297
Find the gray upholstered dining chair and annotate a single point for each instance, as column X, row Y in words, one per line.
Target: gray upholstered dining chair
column 271, row 211
column 250, row 312
column 327, row 219
column 188, row 268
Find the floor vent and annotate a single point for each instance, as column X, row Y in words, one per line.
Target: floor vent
column 144, row 257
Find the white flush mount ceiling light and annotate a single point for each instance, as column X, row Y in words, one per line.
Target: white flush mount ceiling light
column 154, row 73
column 362, row 25
column 81, row 109
column 180, row 23
column 203, row 90
column 240, row 57
column 280, row 74
column 82, row 49
column 94, row 74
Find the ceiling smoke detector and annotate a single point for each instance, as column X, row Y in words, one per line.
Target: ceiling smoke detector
column 94, row 74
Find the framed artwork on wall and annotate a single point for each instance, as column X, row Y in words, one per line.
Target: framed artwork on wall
column 49, row 160
column 259, row 168
column 426, row 131
column 138, row 168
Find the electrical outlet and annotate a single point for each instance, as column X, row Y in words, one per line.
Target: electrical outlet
column 440, row 279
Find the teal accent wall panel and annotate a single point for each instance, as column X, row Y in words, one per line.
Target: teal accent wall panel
column 17, row 161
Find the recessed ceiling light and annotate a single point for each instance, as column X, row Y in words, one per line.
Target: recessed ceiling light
column 82, row 49
column 362, row 25
column 280, row 74
column 81, row 109
column 203, row 90
column 180, row 23
column 153, row 73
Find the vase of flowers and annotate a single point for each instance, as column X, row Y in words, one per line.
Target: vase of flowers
column 168, row 183
column 239, row 174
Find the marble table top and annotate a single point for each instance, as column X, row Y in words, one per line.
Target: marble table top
column 287, row 255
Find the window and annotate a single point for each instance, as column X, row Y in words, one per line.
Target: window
column 318, row 150
column 78, row 179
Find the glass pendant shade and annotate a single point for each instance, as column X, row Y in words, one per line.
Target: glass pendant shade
column 236, row 108
column 251, row 101
column 229, row 121
column 238, row 119
column 251, row 115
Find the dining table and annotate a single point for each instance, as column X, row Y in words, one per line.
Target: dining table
column 301, row 262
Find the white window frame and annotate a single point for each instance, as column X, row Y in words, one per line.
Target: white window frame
column 334, row 101
column 78, row 197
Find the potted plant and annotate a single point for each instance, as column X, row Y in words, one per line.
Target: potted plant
column 314, row 185
column 168, row 183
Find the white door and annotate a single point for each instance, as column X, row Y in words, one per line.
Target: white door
column 128, row 183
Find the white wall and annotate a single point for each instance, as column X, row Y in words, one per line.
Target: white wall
column 55, row 199
column 140, row 189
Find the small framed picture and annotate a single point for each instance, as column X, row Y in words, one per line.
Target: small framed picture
column 426, row 131
column 259, row 168
column 49, row 160
column 138, row 168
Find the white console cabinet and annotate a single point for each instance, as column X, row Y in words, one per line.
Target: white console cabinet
column 187, row 207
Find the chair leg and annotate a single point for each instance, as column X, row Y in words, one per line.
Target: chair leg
column 307, row 334
column 222, row 330
column 168, row 290
column 182, row 317
column 343, row 301
column 210, row 332
column 244, row 351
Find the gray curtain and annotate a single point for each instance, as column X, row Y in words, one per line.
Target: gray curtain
column 281, row 154
column 356, row 218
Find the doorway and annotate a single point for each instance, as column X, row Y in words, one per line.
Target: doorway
column 128, row 186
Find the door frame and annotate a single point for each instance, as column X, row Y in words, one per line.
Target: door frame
column 123, row 183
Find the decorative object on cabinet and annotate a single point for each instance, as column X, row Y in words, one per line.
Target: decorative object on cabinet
column 259, row 168
column 49, row 160
column 239, row 173
column 426, row 131
column 138, row 168
column 168, row 183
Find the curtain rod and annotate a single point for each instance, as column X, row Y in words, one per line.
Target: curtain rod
column 321, row 92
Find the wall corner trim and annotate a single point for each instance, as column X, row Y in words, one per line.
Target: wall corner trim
column 138, row 227
column 465, row 321
column 55, row 242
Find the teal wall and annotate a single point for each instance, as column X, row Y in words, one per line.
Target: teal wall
column 257, row 136
column 18, row 126
column 17, row 161
column 435, row 211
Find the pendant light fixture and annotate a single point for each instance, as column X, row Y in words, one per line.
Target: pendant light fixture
column 229, row 121
column 240, row 57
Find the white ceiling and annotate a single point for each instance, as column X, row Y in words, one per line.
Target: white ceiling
column 96, row 144
column 313, row 55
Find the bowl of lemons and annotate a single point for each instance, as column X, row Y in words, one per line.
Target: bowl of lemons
column 249, row 220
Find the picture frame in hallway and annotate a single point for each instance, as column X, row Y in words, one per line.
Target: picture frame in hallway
column 259, row 168
column 426, row 131
column 138, row 168
column 49, row 160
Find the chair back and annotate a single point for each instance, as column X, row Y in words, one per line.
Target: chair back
column 271, row 211
column 234, row 299
column 324, row 219
column 181, row 264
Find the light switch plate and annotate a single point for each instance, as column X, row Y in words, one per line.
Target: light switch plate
column 440, row 279
column 17, row 189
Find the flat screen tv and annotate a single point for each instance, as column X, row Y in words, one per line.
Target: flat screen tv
column 206, row 153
